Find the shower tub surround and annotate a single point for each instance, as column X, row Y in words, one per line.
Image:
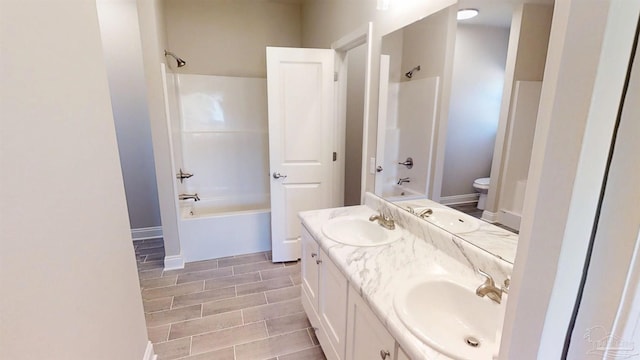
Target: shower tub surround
column 377, row 273
column 219, row 133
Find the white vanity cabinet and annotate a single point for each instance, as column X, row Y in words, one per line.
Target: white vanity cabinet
column 309, row 269
column 367, row 338
column 324, row 297
column 345, row 325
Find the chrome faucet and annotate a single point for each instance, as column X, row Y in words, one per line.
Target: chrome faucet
column 489, row 289
column 384, row 221
column 404, row 180
column 195, row 197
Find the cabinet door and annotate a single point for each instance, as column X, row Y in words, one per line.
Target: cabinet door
column 333, row 303
column 368, row 339
column 309, row 267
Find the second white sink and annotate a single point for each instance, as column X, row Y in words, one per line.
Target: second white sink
column 450, row 220
column 355, row 231
column 449, row 317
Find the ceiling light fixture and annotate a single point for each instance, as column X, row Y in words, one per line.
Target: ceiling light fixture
column 465, row 14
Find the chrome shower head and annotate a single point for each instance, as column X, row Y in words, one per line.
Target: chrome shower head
column 180, row 62
column 409, row 74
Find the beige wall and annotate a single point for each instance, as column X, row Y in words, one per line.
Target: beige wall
column 229, row 37
column 120, row 35
column 67, row 266
column 425, row 44
column 478, row 79
column 356, row 59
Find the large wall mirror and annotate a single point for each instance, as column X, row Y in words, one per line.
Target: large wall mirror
column 458, row 103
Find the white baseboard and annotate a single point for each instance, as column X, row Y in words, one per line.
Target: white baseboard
column 149, row 354
column 489, row 216
column 146, row 233
column 509, row 218
column 173, row 262
column 459, row 199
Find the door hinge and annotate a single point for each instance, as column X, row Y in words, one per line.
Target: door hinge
column 335, row 156
column 335, row 76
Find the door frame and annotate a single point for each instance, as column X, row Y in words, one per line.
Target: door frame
column 578, row 108
column 360, row 36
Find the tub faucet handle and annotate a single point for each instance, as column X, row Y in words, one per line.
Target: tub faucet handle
column 183, row 175
column 408, row 163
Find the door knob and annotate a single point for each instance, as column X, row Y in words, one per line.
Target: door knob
column 276, row 175
column 384, row 354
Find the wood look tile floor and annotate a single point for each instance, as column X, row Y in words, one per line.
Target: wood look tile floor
column 235, row 308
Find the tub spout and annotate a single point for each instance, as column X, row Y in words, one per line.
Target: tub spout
column 403, row 180
column 194, row 197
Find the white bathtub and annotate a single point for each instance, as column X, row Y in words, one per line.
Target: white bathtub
column 400, row 193
column 211, row 229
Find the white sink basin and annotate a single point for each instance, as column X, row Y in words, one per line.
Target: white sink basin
column 358, row 232
column 450, row 318
column 450, row 220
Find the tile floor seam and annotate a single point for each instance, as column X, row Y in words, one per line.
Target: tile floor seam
column 297, row 351
column 310, row 335
column 247, row 283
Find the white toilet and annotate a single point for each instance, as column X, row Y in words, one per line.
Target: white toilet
column 482, row 186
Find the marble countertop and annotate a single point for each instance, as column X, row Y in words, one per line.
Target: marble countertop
column 489, row 237
column 379, row 272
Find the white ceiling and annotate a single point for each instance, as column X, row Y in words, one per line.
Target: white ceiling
column 495, row 12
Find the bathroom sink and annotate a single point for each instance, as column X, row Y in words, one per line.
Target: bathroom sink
column 355, row 231
column 450, row 220
column 449, row 317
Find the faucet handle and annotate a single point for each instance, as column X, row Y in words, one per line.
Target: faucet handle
column 488, row 278
column 506, row 285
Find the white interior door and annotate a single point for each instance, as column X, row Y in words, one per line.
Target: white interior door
column 301, row 128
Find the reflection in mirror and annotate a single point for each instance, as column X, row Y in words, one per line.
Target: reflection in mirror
column 413, row 66
column 460, row 98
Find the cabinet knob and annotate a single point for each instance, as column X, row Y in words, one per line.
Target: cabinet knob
column 384, row 354
column 314, row 255
column 318, row 261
